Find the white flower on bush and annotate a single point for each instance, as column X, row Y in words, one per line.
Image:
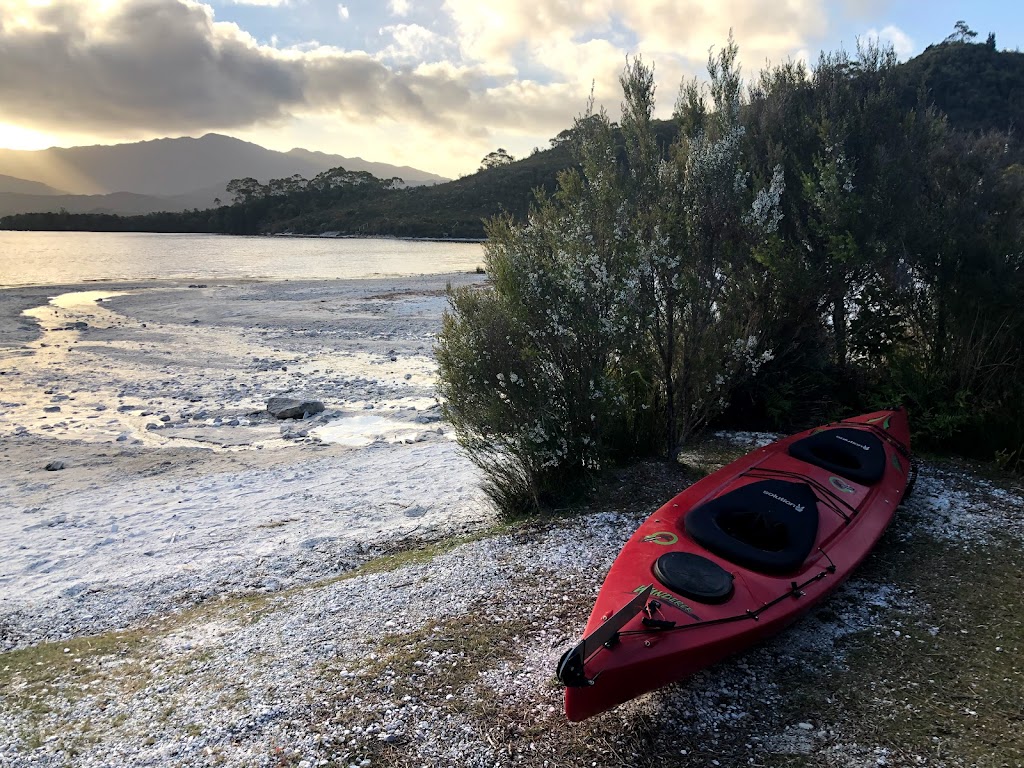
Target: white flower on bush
column 765, row 212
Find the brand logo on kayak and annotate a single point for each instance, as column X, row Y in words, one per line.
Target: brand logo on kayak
column 665, row 538
column 851, row 442
column 784, row 500
column 669, row 598
column 841, row 485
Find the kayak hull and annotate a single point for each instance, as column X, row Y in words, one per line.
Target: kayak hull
column 681, row 631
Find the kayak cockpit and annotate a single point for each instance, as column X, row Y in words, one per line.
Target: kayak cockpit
column 855, row 454
column 768, row 526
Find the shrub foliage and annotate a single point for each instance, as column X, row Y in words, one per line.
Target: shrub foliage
column 800, row 247
column 618, row 317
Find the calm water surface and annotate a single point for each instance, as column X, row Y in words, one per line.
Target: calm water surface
column 53, row 258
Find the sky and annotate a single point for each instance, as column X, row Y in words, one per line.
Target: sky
column 434, row 84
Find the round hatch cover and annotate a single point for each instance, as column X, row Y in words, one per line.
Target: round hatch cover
column 694, row 576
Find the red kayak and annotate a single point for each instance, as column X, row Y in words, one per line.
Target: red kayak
column 738, row 556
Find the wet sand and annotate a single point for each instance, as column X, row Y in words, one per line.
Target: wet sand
column 152, row 396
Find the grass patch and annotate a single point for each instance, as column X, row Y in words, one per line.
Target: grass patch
column 413, row 554
column 278, row 523
column 31, row 677
column 709, row 454
column 38, row 680
column 948, row 687
column 452, row 653
column 68, row 664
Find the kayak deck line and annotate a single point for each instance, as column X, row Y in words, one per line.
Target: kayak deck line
column 795, row 591
column 571, row 674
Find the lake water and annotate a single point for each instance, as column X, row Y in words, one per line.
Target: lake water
column 54, row 258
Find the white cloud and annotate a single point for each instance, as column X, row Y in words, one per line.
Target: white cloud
column 485, row 73
column 900, row 41
column 494, row 31
column 167, row 66
column 573, row 42
column 499, row 30
column 413, row 43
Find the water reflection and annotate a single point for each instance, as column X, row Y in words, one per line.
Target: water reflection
column 53, row 258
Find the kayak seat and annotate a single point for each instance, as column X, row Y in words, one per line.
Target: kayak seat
column 767, row 526
column 694, row 576
column 854, row 454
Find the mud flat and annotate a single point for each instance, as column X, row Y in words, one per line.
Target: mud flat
column 175, row 483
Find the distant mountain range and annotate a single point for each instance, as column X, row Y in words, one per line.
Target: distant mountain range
column 160, row 175
column 978, row 87
column 12, row 185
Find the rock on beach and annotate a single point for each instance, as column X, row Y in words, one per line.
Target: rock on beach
column 293, row 406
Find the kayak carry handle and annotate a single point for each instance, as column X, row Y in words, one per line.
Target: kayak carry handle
column 570, row 670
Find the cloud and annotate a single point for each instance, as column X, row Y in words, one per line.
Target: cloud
column 267, row 3
column 478, row 72
column 413, row 43
column 166, row 66
column 498, row 30
column 588, row 41
column 900, row 41
column 144, row 64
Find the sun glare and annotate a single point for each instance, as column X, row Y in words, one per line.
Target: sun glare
column 14, row 137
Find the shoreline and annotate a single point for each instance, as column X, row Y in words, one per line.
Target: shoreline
column 187, row 281
column 330, row 235
column 340, row 236
column 152, row 396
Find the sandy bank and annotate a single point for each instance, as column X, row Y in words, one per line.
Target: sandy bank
column 176, row 483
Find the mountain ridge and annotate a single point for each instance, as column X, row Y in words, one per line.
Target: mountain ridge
column 178, row 167
column 17, row 186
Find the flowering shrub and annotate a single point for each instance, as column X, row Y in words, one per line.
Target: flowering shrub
column 618, row 318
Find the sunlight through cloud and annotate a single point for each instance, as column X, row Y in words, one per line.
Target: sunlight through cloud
column 896, row 37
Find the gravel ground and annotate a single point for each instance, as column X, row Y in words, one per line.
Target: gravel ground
column 447, row 660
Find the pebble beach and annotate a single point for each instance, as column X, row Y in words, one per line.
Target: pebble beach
column 174, row 480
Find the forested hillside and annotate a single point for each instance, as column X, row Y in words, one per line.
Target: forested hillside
column 978, row 87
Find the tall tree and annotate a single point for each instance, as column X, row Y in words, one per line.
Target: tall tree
column 497, row 158
column 962, row 33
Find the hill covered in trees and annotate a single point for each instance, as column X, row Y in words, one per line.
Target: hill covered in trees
column 351, row 203
column 977, row 87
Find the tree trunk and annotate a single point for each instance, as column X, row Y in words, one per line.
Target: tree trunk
column 839, row 324
column 669, row 360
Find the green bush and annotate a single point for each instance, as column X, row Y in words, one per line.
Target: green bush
column 618, row 318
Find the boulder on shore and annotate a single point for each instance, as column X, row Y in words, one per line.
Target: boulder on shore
column 293, row 406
